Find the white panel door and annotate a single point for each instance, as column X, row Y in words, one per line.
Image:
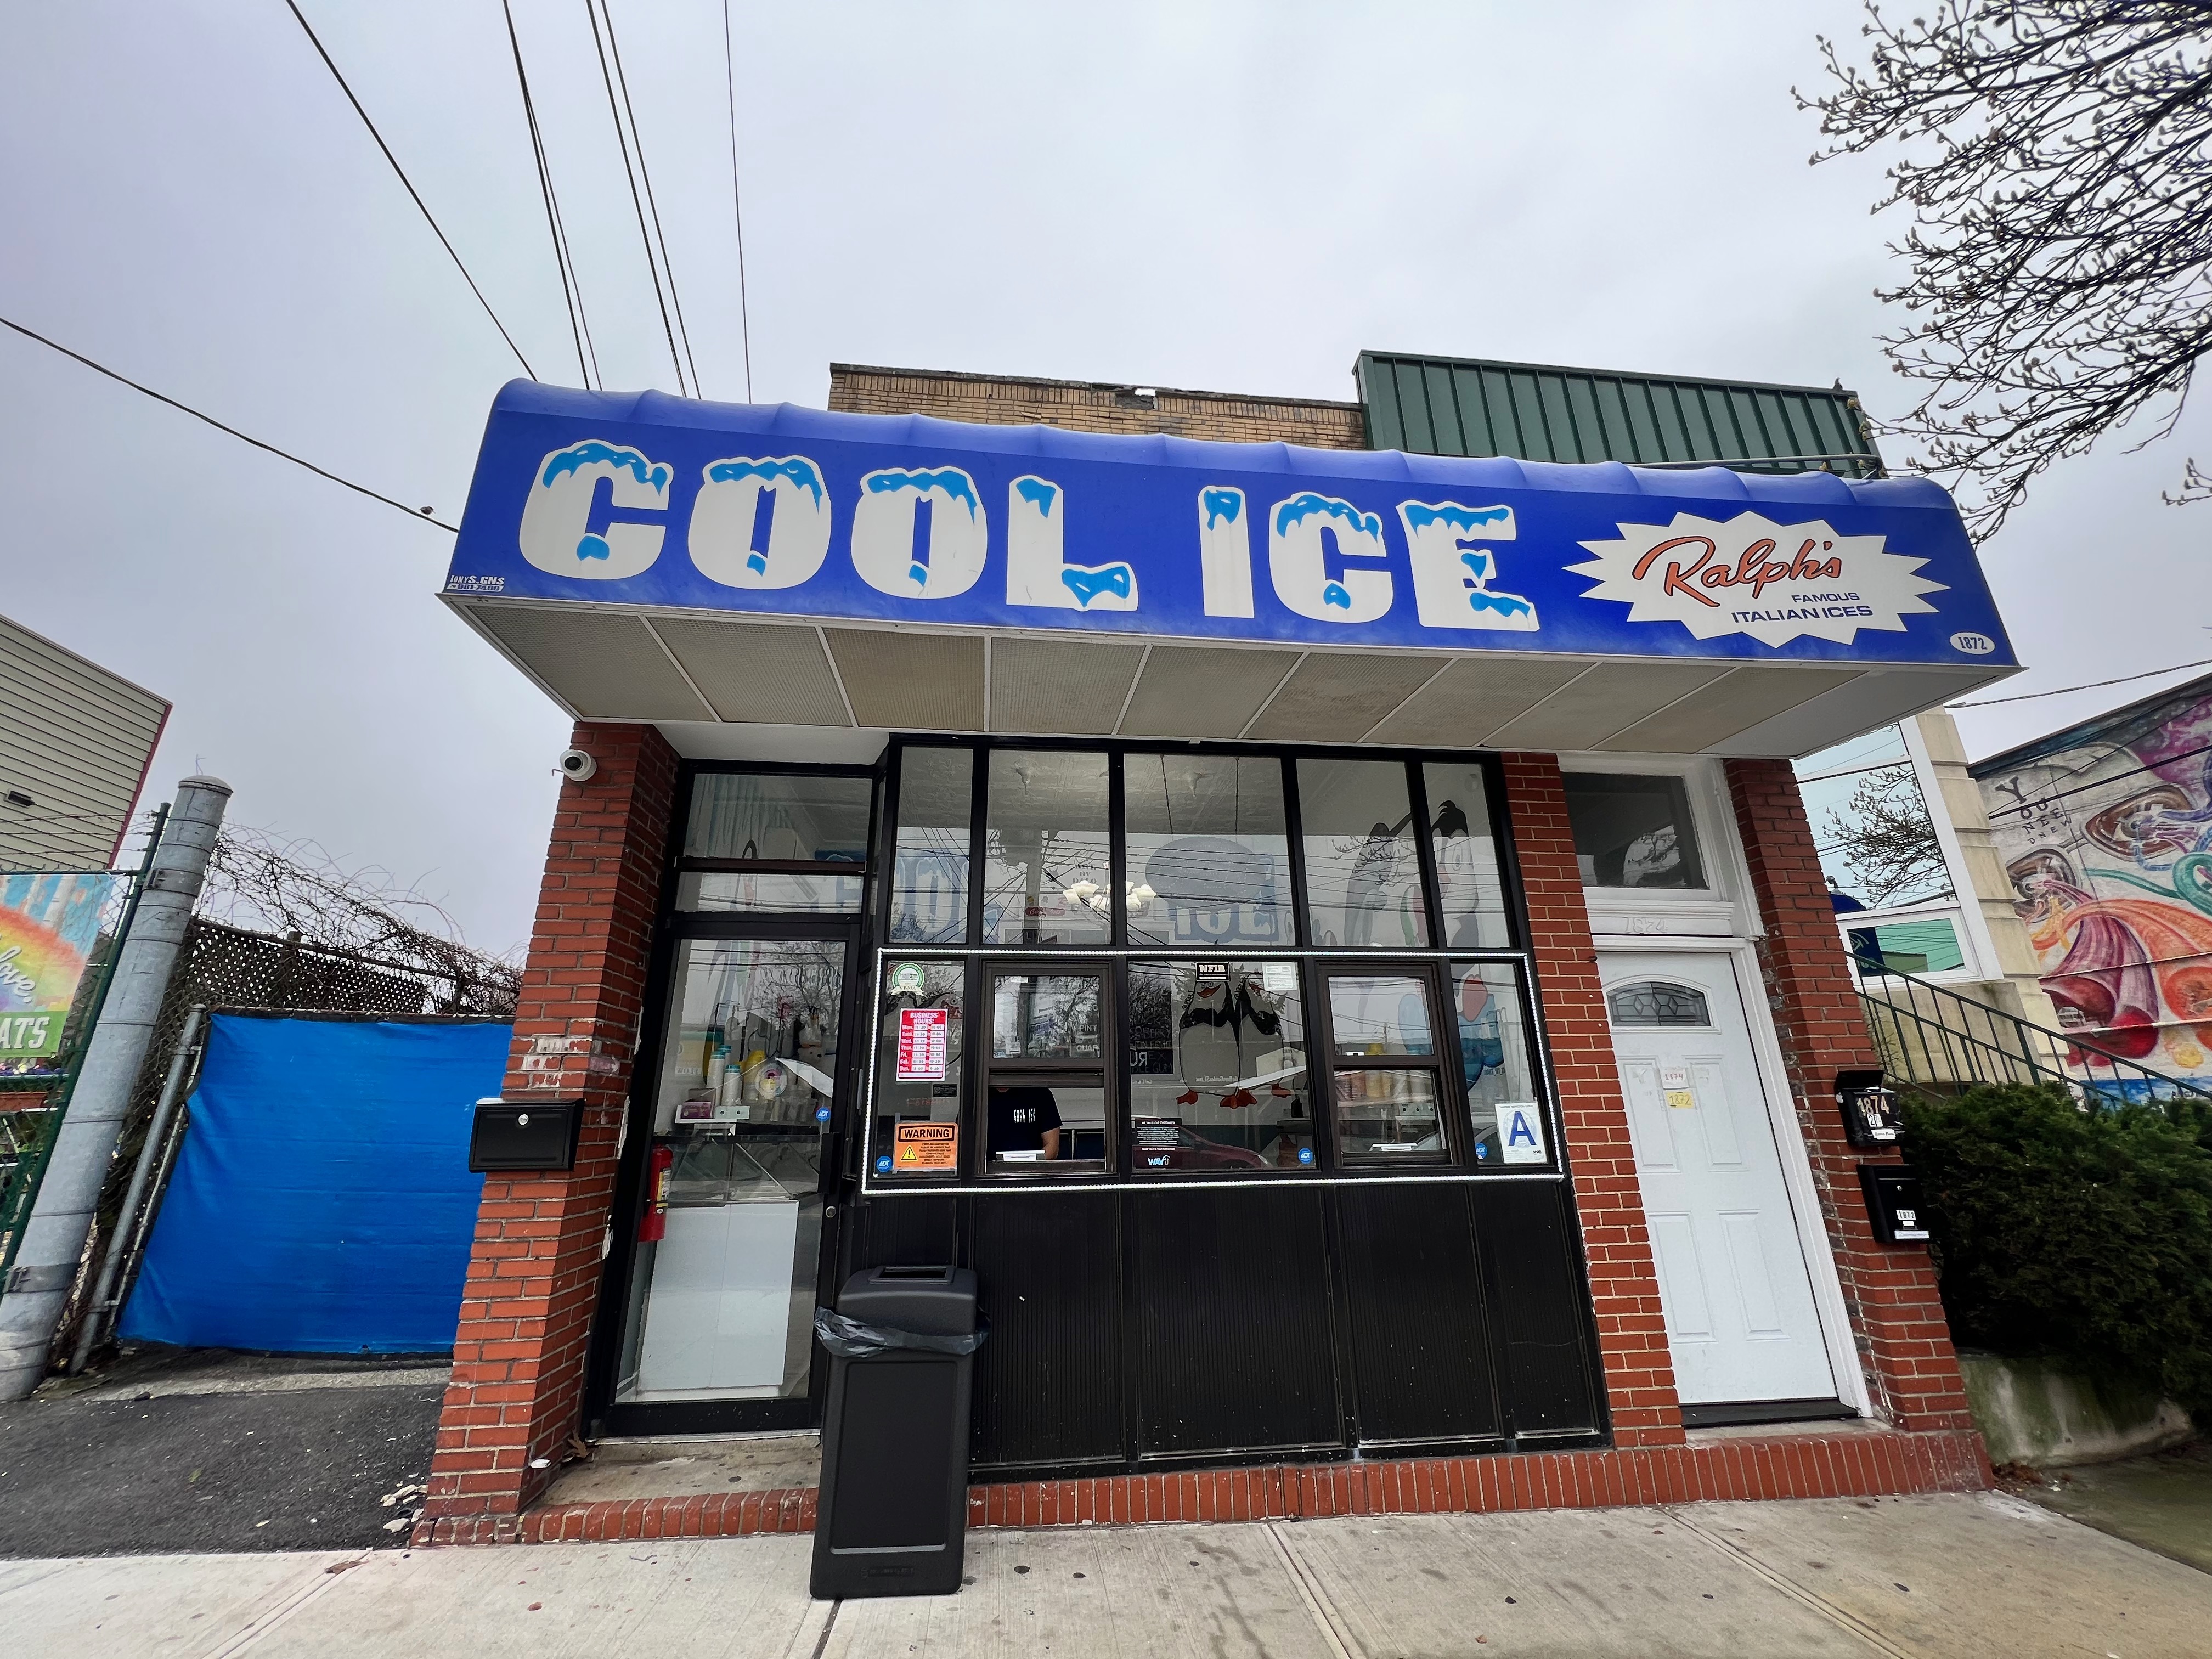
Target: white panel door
column 1732, row 1275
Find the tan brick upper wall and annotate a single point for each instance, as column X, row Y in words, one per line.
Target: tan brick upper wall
column 1095, row 406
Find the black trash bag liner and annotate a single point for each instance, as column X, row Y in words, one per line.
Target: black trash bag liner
column 850, row 1339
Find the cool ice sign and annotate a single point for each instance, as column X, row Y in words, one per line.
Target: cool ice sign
column 658, row 501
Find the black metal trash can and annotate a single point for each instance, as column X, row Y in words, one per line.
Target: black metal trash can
column 892, row 1519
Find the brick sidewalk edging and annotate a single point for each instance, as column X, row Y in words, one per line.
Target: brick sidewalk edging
column 1782, row 1466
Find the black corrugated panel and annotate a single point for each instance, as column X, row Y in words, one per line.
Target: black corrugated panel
column 1463, row 406
column 1234, row 1348
column 1049, row 1381
column 1420, row 1348
column 1538, row 1299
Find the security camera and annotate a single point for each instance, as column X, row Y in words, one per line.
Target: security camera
column 577, row 765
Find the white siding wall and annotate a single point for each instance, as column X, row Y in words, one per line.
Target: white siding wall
column 75, row 739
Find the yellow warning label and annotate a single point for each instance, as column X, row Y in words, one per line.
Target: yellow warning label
column 926, row 1146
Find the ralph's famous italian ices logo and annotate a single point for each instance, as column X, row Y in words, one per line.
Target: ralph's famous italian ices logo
column 1751, row 575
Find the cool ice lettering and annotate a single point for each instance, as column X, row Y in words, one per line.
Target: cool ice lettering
column 920, row 533
column 1036, row 573
column 596, row 510
column 761, row 523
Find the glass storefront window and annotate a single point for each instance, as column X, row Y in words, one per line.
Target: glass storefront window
column 1047, row 879
column 747, row 890
column 1385, row 1081
column 751, row 836
column 1493, row 1050
column 1380, row 1014
column 1387, row 1115
column 1208, row 854
column 916, row 1127
column 1466, row 857
column 1363, row 873
column 1217, row 1080
column 1045, row 1016
column 722, row 1303
column 929, row 855
column 1633, row 831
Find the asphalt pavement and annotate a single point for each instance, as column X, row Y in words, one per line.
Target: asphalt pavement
column 201, row 1450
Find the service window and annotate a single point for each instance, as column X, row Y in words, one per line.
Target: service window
column 1506, row 1124
column 1217, row 1080
column 1043, row 1111
column 1387, row 1088
column 917, row 1125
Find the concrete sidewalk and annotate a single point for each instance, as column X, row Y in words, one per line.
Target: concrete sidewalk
column 1941, row 1576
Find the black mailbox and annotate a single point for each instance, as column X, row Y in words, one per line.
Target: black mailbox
column 526, row 1134
column 1870, row 1108
column 1893, row 1200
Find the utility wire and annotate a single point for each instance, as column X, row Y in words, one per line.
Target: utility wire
column 572, row 290
column 412, row 191
column 737, row 201
column 637, row 138
column 420, row 515
column 591, row 11
column 2092, row 685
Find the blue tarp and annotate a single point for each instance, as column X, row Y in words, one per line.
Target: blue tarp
column 322, row 1201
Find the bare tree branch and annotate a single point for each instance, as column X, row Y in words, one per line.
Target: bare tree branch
column 2059, row 171
column 1885, row 834
column 294, row 887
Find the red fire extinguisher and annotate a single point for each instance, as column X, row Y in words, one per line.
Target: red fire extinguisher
column 653, row 1227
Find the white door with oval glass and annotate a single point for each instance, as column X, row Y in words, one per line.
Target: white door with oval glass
column 1733, row 1281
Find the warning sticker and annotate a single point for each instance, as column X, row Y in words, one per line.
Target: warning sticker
column 922, row 1038
column 919, row 1147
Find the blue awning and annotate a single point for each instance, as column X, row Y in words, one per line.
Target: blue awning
column 653, row 557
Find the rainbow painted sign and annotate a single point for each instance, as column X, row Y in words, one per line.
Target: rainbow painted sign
column 49, row 928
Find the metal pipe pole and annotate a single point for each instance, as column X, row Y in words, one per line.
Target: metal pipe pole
column 38, row 1286
column 103, row 1295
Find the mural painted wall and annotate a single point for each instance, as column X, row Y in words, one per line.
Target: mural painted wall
column 2107, row 833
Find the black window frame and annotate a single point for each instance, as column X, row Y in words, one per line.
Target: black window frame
column 1441, row 1062
column 678, row 863
column 1434, row 960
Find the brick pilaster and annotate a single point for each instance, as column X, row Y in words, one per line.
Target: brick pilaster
column 1631, row 1327
column 1897, row 1316
column 533, row 1277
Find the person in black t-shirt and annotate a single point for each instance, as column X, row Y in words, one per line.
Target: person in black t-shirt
column 1024, row 1118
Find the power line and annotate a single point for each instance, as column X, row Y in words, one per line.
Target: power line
column 622, row 141
column 420, row 515
column 2092, row 685
column 412, row 191
column 572, row 288
column 736, row 201
column 637, row 138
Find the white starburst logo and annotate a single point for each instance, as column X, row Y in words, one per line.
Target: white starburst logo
column 1751, row 575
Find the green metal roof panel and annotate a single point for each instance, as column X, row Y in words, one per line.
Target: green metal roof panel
column 1537, row 412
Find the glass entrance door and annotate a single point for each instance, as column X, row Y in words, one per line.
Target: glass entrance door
column 722, row 1300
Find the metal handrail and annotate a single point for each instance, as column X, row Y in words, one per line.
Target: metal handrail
column 1961, row 1040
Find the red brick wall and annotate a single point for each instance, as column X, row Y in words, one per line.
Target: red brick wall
column 1895, row 1312
column 533, row 1274
column 1631, row 1330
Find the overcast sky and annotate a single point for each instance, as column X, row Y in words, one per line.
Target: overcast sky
column 1236, row 197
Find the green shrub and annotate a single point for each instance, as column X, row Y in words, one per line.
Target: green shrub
column 2084, row 1236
